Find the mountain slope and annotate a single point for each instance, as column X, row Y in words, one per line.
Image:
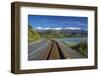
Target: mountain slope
column 63, row 33
column 32, row 34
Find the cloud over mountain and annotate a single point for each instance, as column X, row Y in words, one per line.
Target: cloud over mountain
column 58, row 28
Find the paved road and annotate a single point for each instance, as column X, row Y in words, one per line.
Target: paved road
column 33, row 46
column 51, row 49
column 38, row 51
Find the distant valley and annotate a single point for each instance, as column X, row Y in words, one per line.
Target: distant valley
column 62, row 33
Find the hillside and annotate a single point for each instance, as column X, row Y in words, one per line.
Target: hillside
column 64, row 33
column 32, row 34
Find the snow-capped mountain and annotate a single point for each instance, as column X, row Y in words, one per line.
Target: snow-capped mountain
column 58, row 28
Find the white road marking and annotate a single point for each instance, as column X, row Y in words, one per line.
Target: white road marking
column 37, row 49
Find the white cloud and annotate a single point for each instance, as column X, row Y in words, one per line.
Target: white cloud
column 58, row 28
column 73, row 28
column 39, row 28
column 47, row 28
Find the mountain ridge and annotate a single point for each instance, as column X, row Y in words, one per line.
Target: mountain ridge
column 32, row 34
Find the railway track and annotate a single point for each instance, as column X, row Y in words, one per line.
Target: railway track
column 55, row 51
column 52, row 50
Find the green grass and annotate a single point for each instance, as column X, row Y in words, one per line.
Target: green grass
column 33, row 36
column 82, row 47
column 48, row 35
column 58, row 34
column 71, row 44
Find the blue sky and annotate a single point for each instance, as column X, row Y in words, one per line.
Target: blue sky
column 44, row 21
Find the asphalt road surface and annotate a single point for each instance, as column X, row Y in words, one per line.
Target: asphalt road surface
column 38, row 51
column 51, row 49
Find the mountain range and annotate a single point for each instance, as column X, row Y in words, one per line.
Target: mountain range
column 59, row 28
column 62, row 32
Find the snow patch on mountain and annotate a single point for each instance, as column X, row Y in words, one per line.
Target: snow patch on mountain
column 58, row 28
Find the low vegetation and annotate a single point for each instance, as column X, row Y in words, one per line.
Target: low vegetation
column 62, row 33
column 82, row 47
column 32, row 34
